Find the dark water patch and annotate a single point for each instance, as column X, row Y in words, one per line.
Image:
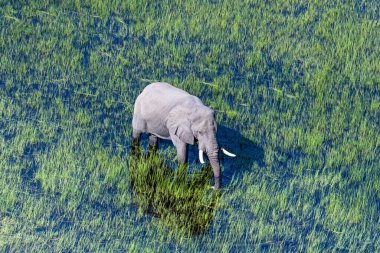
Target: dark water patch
column 153, row 39
column 285, row 12
column 104, row 207
column 317, row 197
column 85, row 59
column 34, row 147
column 8, row 86
column 114, row 26
column 117, row 32
column 6, row 133
column 35, row 21
column 345, row 173
column 119, row 40
column 30, row 184
column 116, row 140
column 83, row 99
column 300, row 9
column 64, row 224
column 297, row 70
column 94, row 40
column 142, row 40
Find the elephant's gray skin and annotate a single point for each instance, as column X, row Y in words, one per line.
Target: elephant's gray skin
column 164, row 111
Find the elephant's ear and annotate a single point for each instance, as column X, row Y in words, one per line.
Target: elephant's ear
column 179, row 125
column 184, row 134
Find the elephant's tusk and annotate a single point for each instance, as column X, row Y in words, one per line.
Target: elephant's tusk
column 228, row 153
column 201, row 156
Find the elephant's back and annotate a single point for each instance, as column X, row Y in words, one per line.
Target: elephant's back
column 161, row 89
column 162, row 97
column 157, row 99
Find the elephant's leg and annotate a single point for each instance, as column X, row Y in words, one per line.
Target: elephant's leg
column 182, row 157
column 135, row 141
column 181, row 149
column 152, row 144
column 182, row 152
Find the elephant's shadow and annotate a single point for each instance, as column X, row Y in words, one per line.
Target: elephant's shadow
column 247, row 153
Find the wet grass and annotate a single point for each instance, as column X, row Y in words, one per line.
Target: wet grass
column 295, row 86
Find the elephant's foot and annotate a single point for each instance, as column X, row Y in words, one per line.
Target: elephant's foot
column 217, row 183
column 153, row 145
column 152, row 149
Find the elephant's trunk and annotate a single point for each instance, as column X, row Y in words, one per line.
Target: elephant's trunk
column 214, row 161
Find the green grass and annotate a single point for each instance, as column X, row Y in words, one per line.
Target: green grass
column 300, row 79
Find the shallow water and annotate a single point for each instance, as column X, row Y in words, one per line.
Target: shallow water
column 291, row 102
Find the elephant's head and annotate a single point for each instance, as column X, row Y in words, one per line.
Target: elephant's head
column 198, row 124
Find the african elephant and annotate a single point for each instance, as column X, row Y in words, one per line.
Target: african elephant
column 167, row 112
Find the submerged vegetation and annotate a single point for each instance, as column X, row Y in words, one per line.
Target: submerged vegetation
column 296, row 82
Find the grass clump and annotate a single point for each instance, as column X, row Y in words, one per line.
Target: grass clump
column 183, row 202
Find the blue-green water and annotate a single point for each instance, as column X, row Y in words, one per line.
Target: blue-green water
column 295, row 87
